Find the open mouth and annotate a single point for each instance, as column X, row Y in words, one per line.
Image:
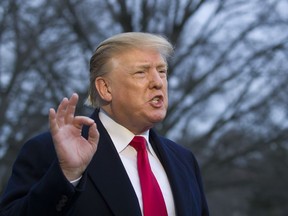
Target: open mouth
column 157, row 101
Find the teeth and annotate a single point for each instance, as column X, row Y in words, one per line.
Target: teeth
column 156, row 99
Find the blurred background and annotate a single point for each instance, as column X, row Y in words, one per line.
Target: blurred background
column 228, row 84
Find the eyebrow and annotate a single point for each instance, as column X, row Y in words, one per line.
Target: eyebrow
column 147, row 66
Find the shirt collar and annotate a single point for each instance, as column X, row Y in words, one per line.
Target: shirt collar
column 120, row 135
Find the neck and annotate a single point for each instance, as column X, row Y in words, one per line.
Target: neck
column 134, row 130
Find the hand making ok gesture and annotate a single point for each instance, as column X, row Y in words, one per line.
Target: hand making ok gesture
column 74, row 151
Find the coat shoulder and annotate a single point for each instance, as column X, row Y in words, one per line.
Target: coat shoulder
column 176, row 147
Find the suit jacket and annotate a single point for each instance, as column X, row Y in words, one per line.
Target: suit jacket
column 37, row 185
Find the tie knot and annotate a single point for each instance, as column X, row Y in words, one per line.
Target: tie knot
column 139, row 143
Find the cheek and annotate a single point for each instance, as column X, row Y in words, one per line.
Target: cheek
column 128, row 98
column 166, row 92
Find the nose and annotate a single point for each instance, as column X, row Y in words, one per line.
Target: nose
column 156, row 79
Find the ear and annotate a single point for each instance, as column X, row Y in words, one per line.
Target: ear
column 103, row 88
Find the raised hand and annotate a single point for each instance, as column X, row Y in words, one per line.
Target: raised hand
column 74, row 151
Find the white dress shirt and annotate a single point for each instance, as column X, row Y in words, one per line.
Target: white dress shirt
column 121, row 138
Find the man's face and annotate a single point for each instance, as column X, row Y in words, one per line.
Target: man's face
column 138, row 88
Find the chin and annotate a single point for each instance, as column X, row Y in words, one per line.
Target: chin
column 158, row 118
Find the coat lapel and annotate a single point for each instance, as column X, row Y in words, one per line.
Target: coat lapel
column 108, row 174
column 177, row 174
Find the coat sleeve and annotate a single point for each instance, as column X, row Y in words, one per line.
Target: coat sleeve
column 37, row 185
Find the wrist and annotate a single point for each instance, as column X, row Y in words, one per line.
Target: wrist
column 72, row 175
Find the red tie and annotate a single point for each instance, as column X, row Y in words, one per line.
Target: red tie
column 153, row 201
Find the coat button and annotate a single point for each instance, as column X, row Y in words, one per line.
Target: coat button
column 62, row 202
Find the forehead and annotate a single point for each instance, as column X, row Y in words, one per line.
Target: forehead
column 140, row 57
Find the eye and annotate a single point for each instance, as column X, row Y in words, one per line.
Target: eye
column 163, row 72
column 139, row 73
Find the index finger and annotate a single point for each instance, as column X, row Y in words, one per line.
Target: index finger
column 52, row 121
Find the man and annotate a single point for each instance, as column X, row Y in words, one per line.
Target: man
column 89, row 166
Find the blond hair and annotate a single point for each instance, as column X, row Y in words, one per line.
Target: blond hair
column 99, row 62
